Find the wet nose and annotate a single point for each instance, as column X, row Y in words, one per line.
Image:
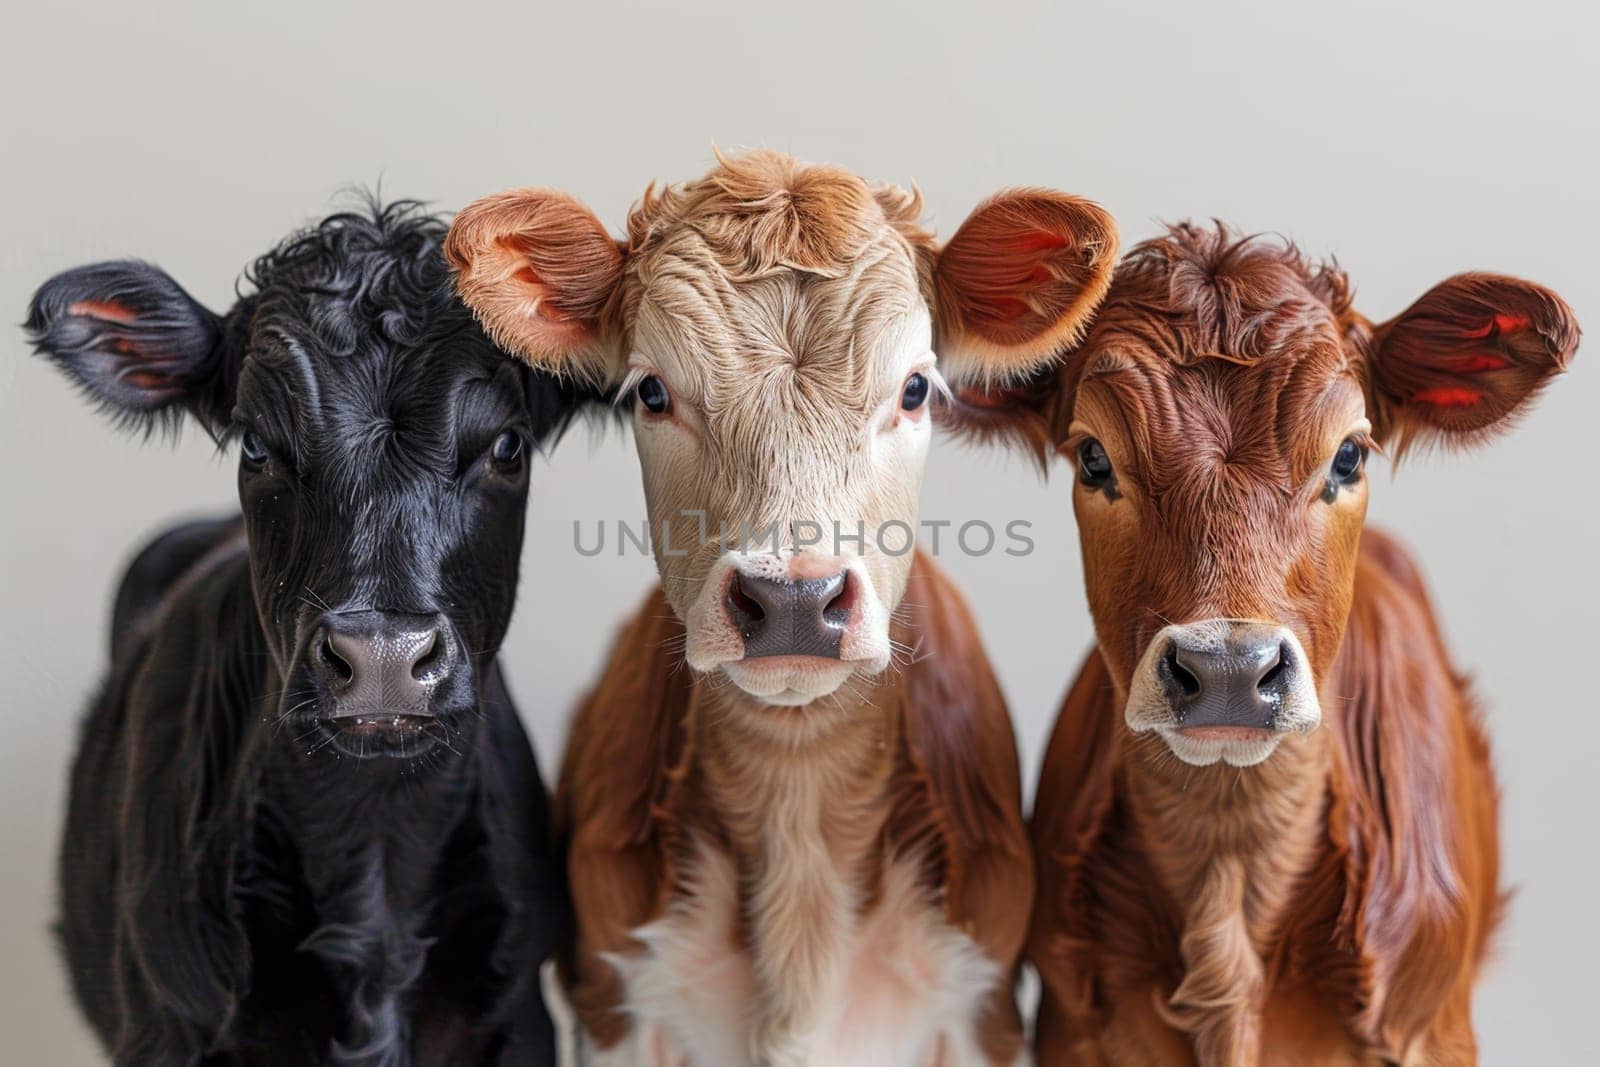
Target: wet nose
column 790, row 616
column 375, row 662
column 1237, row 678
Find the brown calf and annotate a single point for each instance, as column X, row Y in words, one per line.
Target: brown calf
column 807, row 847
column 1219, row 880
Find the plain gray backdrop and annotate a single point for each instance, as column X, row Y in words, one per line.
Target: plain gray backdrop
column 1411, row 141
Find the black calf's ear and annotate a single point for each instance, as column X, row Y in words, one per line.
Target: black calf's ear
column 135, row 341
column 554, row 402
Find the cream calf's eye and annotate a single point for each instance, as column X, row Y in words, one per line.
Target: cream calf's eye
column 653, row 396
column 914, row 393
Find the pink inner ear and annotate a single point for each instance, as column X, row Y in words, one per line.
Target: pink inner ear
column 987, row 398
column 1478, row 362
column 1447, row 396
column 554, row 322
column 541, row 292
column 1040, row 241
column 109, row 310
column 1006, row 308
column 1500, row 324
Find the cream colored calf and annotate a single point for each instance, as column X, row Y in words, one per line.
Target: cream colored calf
column 808, row 847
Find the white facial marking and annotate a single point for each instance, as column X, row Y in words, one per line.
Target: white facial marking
column 1150, row 709
column 714, row 642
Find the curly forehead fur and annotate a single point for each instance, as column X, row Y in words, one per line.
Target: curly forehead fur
column 1225, row 349
column 772, row 272
column 772, row 287
column 761, row 212
column 358, row 276
column 1198, row 292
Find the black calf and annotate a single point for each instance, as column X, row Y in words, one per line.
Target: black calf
column 305, row 823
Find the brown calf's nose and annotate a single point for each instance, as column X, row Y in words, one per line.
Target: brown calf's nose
column 1236, row 680
column 790, row 617
column 381, row 663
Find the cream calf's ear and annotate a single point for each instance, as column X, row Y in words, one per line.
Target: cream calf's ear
column 1466, row 359
column 541, row 274
column 1018, row 283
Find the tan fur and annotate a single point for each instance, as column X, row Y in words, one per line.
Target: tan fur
column 1015, row 285
column 772, row 293
column 544, row 297
column 783, row 307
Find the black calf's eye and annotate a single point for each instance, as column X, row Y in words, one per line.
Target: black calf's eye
column 1094, row 466
column 1347, row 462
column 915, row 393
column 252, row 449
column 507, row 449
column 652, row 393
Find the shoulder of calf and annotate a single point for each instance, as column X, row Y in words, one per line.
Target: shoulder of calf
column 957, row 793
column 1414, row 799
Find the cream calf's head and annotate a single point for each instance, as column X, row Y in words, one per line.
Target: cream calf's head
column 774, row 326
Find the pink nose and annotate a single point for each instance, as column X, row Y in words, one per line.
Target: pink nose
column 791, row 616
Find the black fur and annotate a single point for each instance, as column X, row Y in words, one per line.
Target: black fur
column 238, row 883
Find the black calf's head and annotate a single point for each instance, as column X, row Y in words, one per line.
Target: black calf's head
column 383, row 458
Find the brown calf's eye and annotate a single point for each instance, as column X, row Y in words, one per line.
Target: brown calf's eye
column 652, row 393
column 1094, row 466
column 1347, row 462
column 915, row 393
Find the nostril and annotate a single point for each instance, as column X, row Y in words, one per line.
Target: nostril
column 1185, row 678
column 336, row 665
column 837, row 611
column 430, row 658
column 1275, row 673
column 744, row 608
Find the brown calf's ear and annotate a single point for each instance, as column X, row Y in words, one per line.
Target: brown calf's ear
column 540, row 272
column 1019, row 282
column 1019, row 413
column 1467, row 357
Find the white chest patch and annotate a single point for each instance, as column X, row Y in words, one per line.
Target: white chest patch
column 905, row 988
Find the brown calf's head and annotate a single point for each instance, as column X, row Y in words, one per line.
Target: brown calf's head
column 1219, row 415
column 774, row 325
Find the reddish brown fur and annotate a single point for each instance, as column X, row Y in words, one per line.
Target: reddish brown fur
column 1333, row 903
column 1052, row 247
column 933, row 774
